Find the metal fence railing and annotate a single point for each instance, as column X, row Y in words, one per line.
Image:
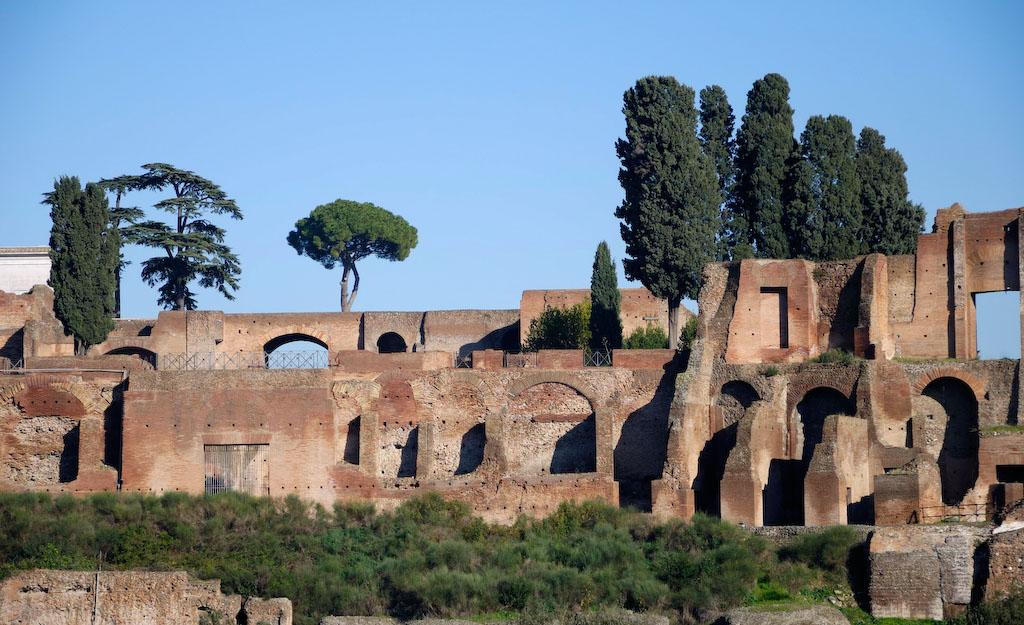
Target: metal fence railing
column 11, row 366
column 599, row 358
column 464, row 362
column 207, row 361
column 969, row 512
column 521, row 360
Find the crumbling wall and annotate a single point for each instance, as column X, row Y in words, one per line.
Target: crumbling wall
column 921, row 572
column 43, row 597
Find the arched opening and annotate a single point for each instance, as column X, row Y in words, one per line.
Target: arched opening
column 142, row 354
column 459, row 415
column 784, row 492
column 391, row 343
column 948, row 405
column 551, row 430
column 295, row 351
column 730, row 404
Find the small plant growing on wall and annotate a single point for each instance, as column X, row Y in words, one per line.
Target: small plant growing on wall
column 771, row 372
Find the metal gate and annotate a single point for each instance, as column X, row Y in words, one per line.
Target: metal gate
column 241, row 468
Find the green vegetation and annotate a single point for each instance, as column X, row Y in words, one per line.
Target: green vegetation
column 605, row 302
column 764, row 151
column 84, row 252
column 689, row 333
column 835, row 356
column 1001, row 429
column 651, row 337
column 771, row 371
column 671, row 211
column 344, row 232
column 428, row 557
column 192, row 248
column 560, row 328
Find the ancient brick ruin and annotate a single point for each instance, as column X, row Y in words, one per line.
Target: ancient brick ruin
column 744, row 426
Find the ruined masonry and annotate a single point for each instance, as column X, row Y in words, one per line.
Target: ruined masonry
column 398, row 403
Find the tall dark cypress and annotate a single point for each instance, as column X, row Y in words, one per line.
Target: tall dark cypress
column 764, row 151
column 716, row 138
column 891, row 221
column 670, row 211
column 605, row 302
column 84, row 254
column 832, row 192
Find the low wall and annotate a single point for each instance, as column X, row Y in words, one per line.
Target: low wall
column 45, row 597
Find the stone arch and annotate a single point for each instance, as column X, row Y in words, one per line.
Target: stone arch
column 975, row 383
column 577, row 441
column 290, row 337
column 783, row 498
column 396, row 415
column 391, row 343
column 459, row 404
column 42, row 445
column 729, row 405
column 556, row 377
column 144, row 354
column 948, row 406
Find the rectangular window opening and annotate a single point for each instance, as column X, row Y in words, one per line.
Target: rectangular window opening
column 774, row 318
column 239, row 468
column 997, row 319
column 1010, row 473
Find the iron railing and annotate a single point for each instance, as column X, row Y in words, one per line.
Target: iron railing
column 968, row 512
column 464, row 362
column 521, row 360
column 204, row 361
column 599, row 358
column 11, row 366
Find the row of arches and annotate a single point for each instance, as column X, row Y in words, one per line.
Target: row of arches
column 945, row 413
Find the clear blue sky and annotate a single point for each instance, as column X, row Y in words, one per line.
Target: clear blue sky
column 490, row 127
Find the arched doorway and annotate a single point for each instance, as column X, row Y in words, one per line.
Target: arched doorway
column 730, row 405
column 784, row 492
column 295, row 351
column 550, row 430
column 391, row 343
column 949, row 405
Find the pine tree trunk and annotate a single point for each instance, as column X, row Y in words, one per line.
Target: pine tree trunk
column 346, row 304
column 673, row 324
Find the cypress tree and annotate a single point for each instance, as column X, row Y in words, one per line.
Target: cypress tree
column 764, row 149
column 891, row 221
column 831, row 190
column 84, row 254
column 716, row 138
column 605, row 302
column 670, row 211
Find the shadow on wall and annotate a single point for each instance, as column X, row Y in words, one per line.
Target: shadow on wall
column 471, row 450
column 730, row 404
column 68, row 466
column 783, row 500
column 576, row 450
column 958, row 458
column 505, row 339
column 407, row 467
column 351, row 455
column 639, row 455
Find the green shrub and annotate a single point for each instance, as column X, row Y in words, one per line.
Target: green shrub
column 651, row 337
column 560, row 328
column 771, row 372
column 827, row 550
column 689, row 333
column 835, row 356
